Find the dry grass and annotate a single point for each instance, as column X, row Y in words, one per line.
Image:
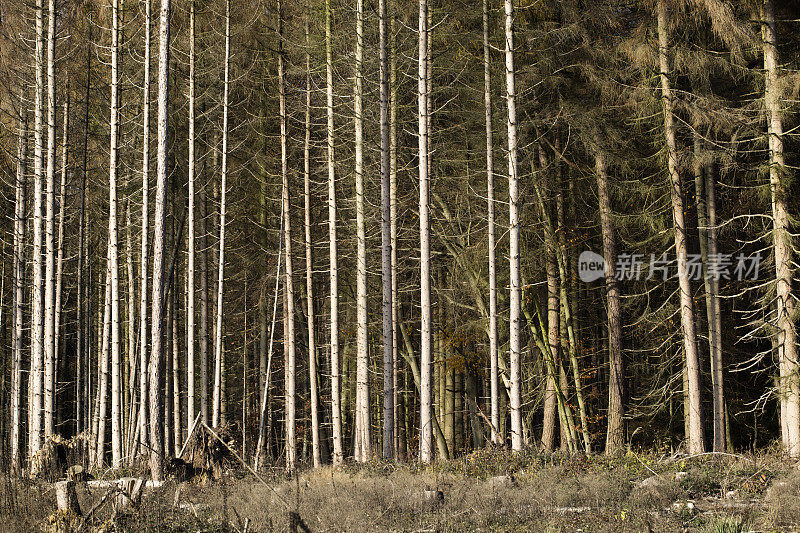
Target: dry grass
column 548, row 493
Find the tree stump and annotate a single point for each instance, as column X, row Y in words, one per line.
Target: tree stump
column 130, row 493
column 67, row 498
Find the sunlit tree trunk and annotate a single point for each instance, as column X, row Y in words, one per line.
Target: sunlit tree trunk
column 289, row 340
column 19, row 292
column 515, row 301
column 494, row 379
column 312, row 334
column 426, row 356
column 216, row 417
column 37, row 311
column 157, row 336
column 49, row 287
column 102, row 373
column 145, row 251
column 336, row 404
column 363, row 439
column 191, row 236
column 694, row 407
column 789, row 387
column 113, row 242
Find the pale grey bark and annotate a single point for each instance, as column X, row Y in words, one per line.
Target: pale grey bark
column 156, row 338
column 37, row 311
column 312, row 334
column 19, row 292
column 49, row 287
column 694, row 405
column 789, row 386
column 113, row 244
column 336, row 404
column 60, row 247
column 145, row 251
column 386, row 239
column 190, row 364
column 218, row 340
column 494, row 380
column 426, row 355
column 289, row 340
column 515, row 297
column 363, row 438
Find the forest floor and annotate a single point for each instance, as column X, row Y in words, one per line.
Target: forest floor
column 484, row 491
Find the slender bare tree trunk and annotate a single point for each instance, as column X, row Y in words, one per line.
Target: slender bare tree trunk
column 103, row 370
column 61, row 214
column 145, row 251
column 694, row 407
column 113, row 243
column 37, row 311
column 494, row 379
column 19, row 293
column 615, row 433
column 289, row 341
column 222, row 215
column 515, row 300
column 363, row 434
column 133, row 362
column 400, row 402
column 386, row 239
column 312, row 337
column 82, row 307
column 204, row 300
column 336, row 402
column 712, row 300
column 49, row 287
column 156, row 339
column 789, row 387
column 426, row 356
column 191, row 236
column 177, row 430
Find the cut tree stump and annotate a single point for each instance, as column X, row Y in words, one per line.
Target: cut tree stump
column 130, row 493
column 67, row 498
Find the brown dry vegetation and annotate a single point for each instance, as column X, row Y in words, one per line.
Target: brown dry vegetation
column 715, row 493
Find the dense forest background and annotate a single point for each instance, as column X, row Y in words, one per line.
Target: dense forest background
column 246, row 143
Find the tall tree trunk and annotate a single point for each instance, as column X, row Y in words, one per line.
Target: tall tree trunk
column 204, row 297
column 336, row 403
column 615, row 433
column 113, row 241
column 191, row 236
column 60, row 248
column 694, row 408
column 49, row 287
column 222, row 215
column 426, row 356
column 386, row 239
column 37, row 311
column 289, row 341
column 144, row 259
column 707, row 235
column 82, row 374
column 363, row 434
column 19, row 293
column 494, row 379
column 789, row 388
column 400, row 403
column 157, row 336
column 312, row 338
column 515, row 300
column 102, row 374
